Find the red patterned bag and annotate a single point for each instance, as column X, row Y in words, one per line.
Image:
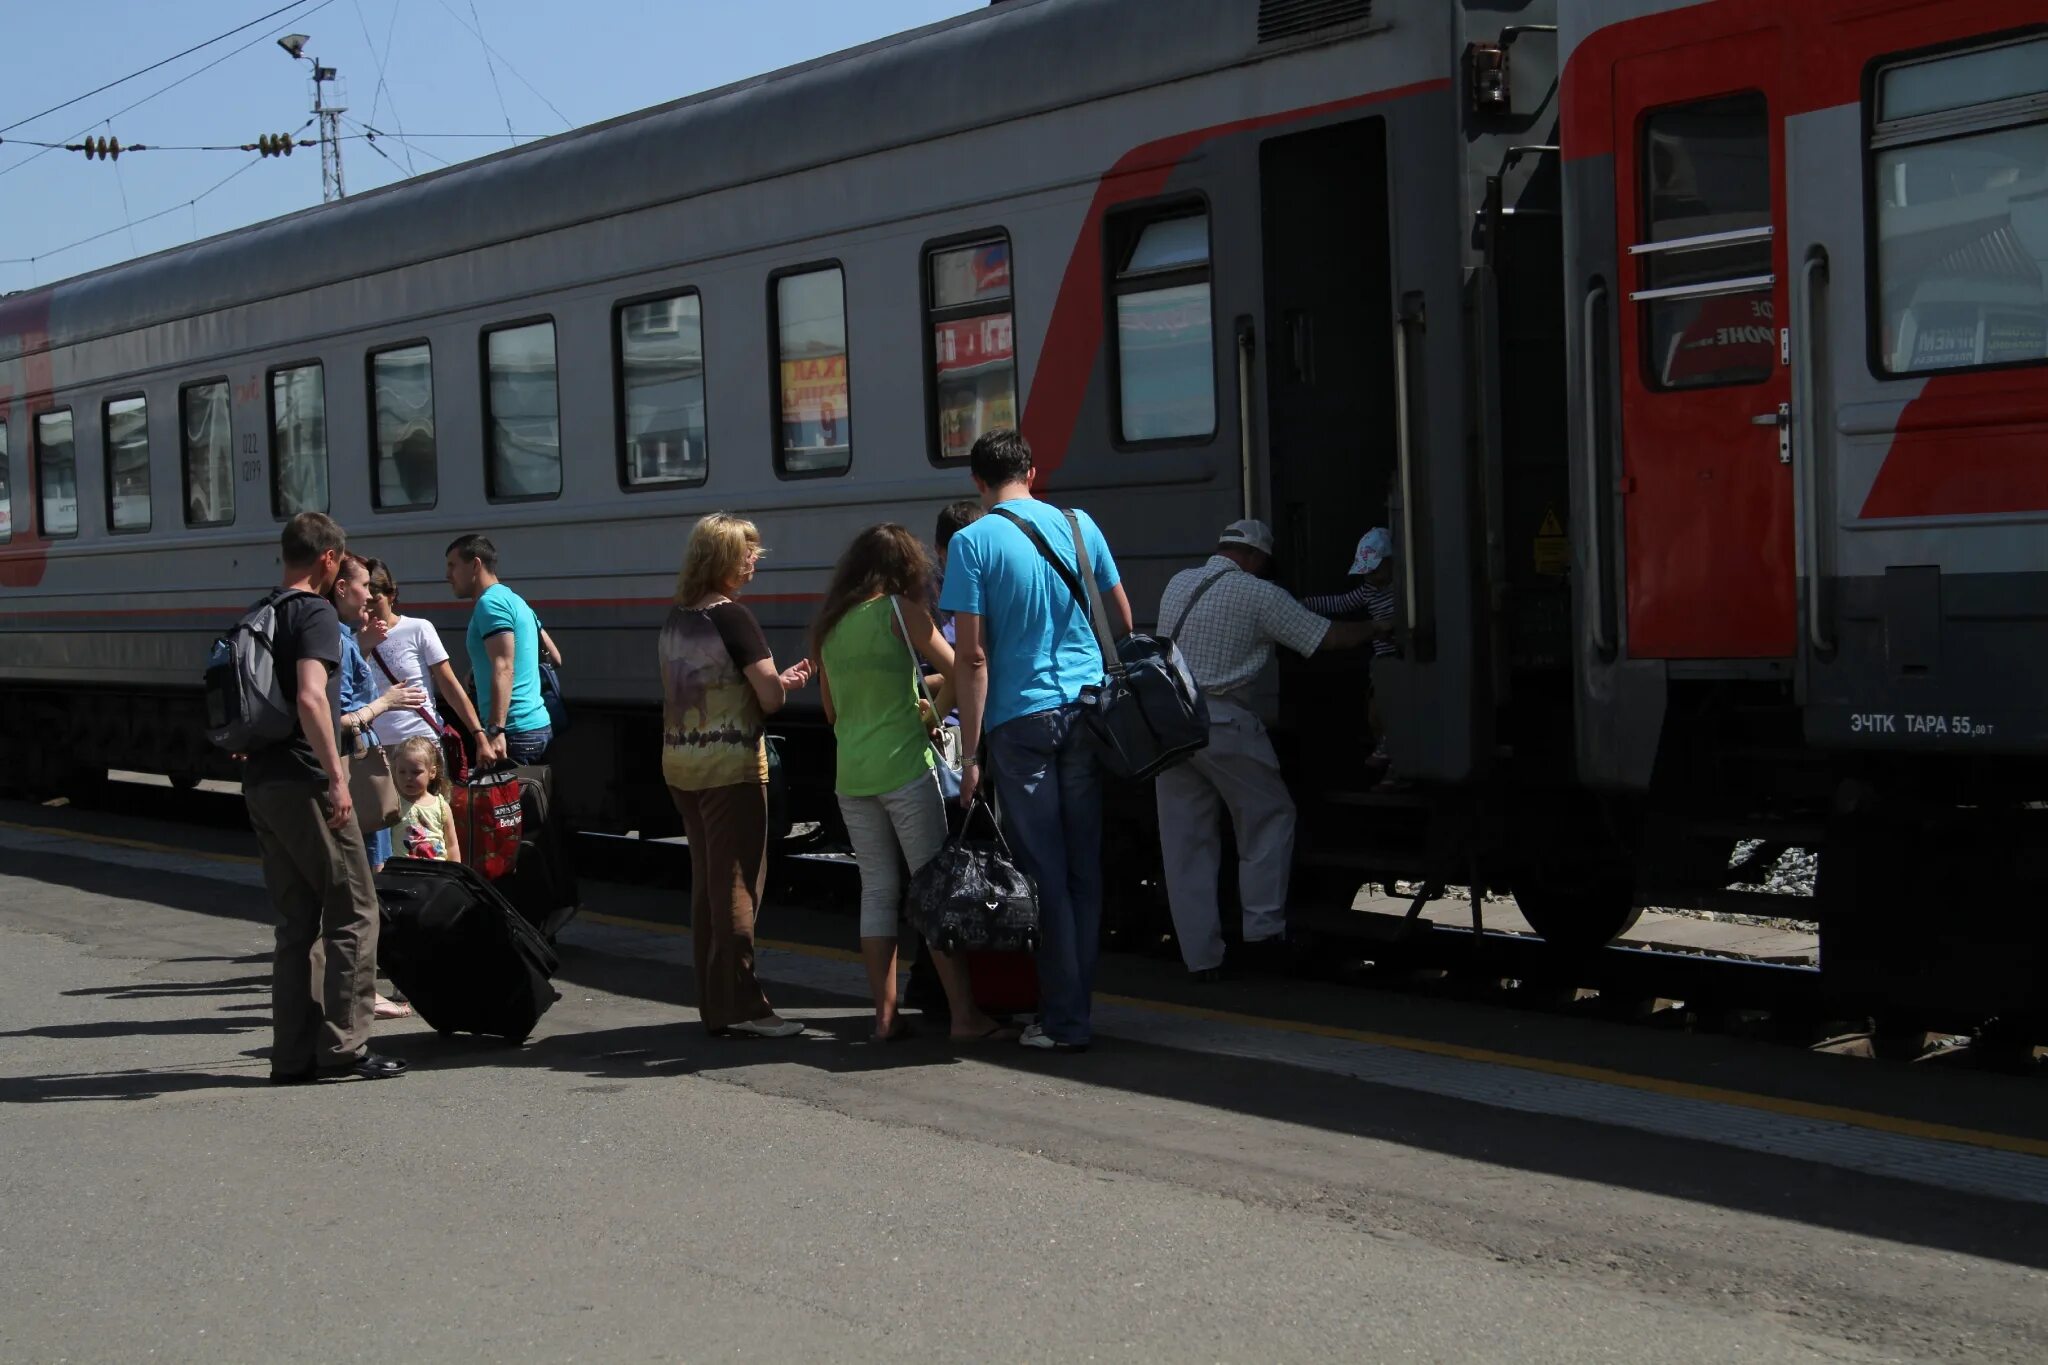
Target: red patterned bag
column 487, row 812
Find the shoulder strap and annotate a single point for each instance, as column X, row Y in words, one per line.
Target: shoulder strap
column 1098, row 615
column 1201, row 590
column 916, row 666
column 1082, row 599
column 377, row 653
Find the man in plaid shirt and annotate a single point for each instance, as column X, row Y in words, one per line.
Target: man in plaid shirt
column 1226, row 619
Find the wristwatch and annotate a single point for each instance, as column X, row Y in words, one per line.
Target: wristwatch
column 493, row 731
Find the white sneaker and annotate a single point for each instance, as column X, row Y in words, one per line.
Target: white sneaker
column 771, row 1027
column 1036, row 1037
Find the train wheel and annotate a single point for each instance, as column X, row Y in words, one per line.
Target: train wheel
column 184, row 782
column 1577, row 909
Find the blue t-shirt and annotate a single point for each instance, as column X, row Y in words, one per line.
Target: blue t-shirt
column 1041, row 646
column 498, row 610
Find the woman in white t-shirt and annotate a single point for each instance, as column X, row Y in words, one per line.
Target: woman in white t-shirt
column 409, row 647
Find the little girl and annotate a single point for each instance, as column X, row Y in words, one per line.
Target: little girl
column 426, row 825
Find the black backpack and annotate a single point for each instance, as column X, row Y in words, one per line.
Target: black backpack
column 1147, row 714
column 247, row 704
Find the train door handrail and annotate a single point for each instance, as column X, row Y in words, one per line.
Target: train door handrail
column 1596, row 569
column 1806, row 437
column 1246, row 435
column 1404, row 454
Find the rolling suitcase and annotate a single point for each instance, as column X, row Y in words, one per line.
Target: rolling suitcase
column 542, row 882
column 467, row 961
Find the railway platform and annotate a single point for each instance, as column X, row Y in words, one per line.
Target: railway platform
column 1293, row 1170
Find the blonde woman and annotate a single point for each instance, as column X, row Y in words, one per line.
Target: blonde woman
column 719, row 684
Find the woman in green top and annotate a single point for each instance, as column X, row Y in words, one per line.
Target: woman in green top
column 869, row 636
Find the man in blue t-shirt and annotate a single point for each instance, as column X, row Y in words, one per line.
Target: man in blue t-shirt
column 505, row 642
column 1024, row 650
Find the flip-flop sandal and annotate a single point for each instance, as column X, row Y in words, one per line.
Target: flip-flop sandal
column 392, row 1009
column 895, row 1035
column 994, row 1033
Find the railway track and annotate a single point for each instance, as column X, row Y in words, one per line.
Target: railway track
column 1435, row 951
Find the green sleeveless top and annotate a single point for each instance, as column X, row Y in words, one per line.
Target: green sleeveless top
column 882, row 745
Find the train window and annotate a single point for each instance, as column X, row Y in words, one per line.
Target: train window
column 298, row 441
column 522, row 413
column 6, row 492
column 402, row 427
column 1165, row 352
column 1959, row 167
column 1706, row 257
column 124, row 432
column 812, row 391
column 972, row 363
column 56, row 473
column 207, row 435
column 661, row 392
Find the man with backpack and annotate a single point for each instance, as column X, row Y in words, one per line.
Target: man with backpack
column 287, row 652
column 1024, row 651
column 1226, row 618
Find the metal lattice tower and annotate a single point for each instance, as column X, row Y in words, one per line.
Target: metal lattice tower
column 329, row 115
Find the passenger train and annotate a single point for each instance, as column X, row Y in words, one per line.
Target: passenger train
column 1693, row 351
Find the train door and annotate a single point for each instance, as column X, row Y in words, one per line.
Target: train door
column 1705, row 388
column 1329, row 375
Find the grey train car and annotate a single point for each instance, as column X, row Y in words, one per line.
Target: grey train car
column 1321, row 261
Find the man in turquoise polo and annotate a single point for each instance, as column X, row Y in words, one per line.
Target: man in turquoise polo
column 505, row 641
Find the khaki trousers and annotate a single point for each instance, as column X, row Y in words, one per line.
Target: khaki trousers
column 1237, row 776
column 324, row 979
column 728, row 832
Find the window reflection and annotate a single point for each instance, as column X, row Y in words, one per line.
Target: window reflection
column 6, row 491
column 1962, row 246
column 298, row 441
column 209, row 455
column 1166, row 360
column 974, row 365
column 56, row 474
column 1707, row 169
column 523, row 414
column 402, row 430
column 125, row 428
column 661, row 387
column 817, row 407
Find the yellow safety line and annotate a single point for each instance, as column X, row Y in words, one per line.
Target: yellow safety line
column 1658, row 1085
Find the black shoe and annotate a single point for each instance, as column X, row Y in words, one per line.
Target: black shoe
column 1208, row 976
column 306, row 1077
column 371, row 1066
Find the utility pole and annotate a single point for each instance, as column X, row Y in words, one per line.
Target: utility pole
column 329, row 116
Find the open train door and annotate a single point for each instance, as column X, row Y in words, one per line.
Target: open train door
column 1705, row 388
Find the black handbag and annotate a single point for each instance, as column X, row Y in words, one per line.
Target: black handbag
column 972, row 894
column 1147, row 713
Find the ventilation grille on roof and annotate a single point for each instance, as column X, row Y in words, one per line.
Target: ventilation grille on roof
column 1283, row 19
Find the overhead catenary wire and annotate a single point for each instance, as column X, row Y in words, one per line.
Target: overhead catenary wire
column 492, row 67
column 135, row 223
column 100, row 90
column 383, row 84
column 566, row 121
column 301, row 16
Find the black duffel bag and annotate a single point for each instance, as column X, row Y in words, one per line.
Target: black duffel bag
column 972, row 894
column 1147, row 713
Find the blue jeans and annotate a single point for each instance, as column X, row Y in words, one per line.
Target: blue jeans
column 528, row 746
column 1050, row 789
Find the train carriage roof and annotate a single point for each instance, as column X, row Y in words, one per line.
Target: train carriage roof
column 1008, row 60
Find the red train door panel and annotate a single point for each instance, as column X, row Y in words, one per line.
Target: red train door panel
column 1707, row 480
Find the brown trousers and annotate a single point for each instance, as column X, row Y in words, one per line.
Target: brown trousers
column 728, row 831
column 319, row 883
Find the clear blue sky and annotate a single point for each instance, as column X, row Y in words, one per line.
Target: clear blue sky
column 590, row 59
